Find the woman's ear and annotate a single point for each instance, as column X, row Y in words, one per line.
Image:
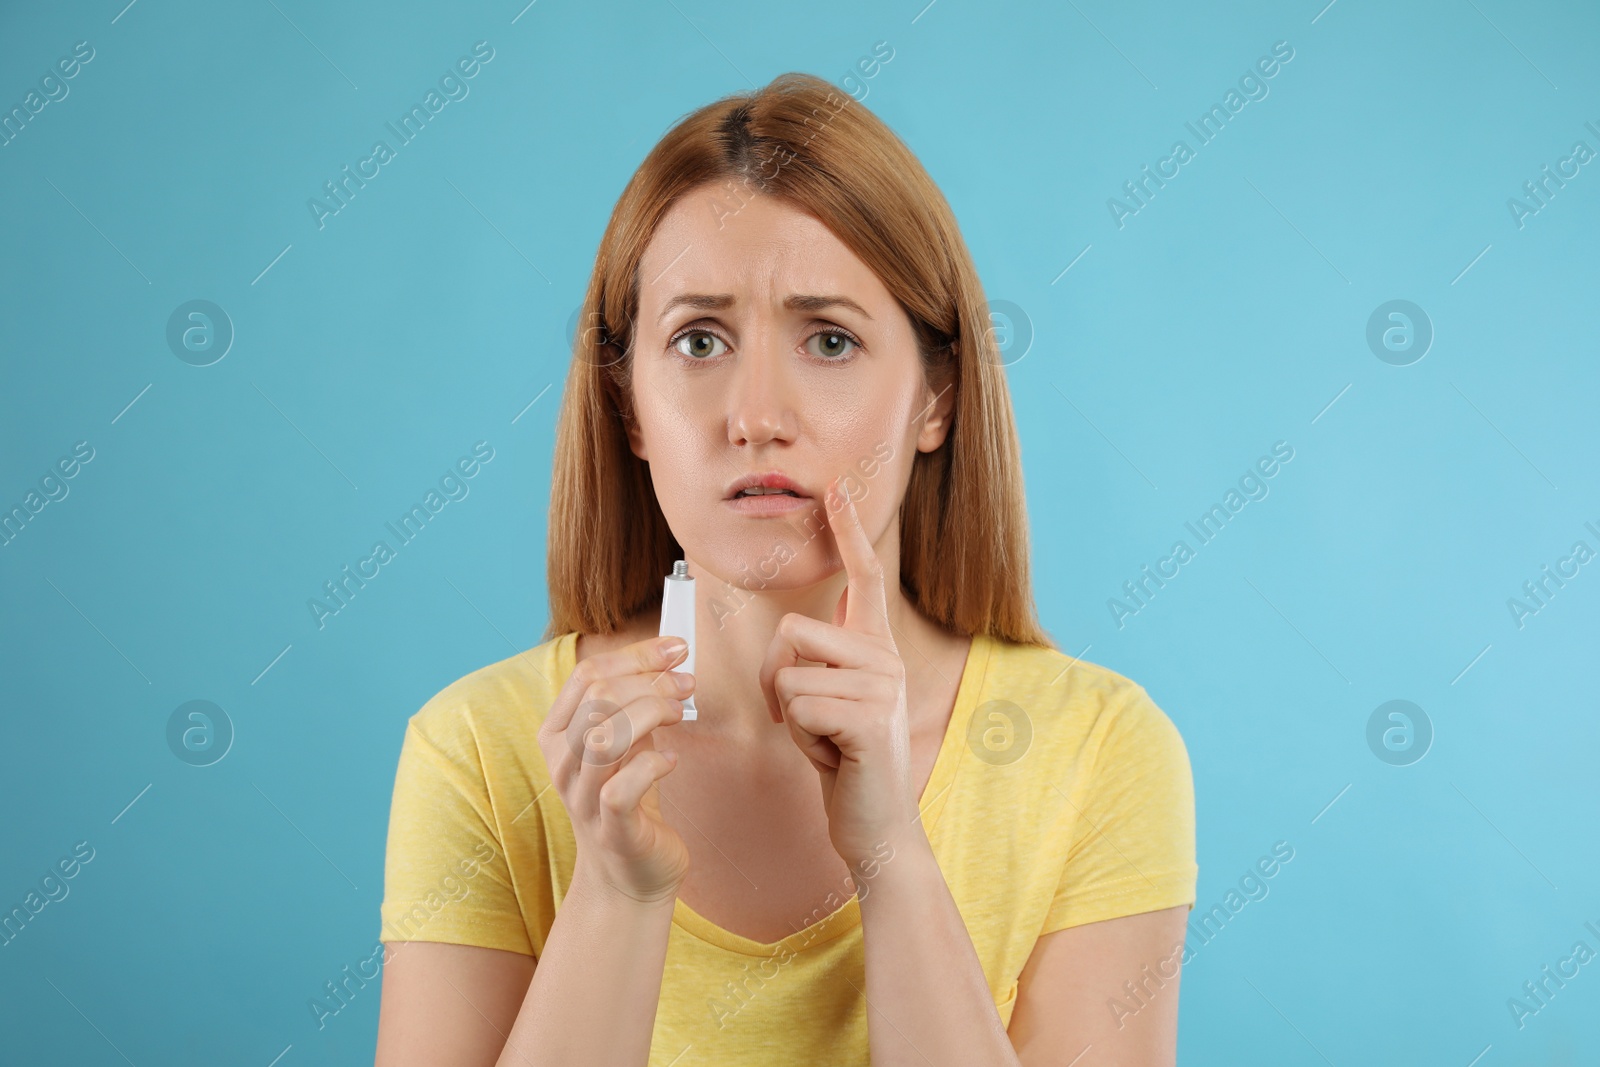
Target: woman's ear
column 635, row 439
column 940, row 406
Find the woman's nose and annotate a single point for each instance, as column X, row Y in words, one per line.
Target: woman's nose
column 761, row 403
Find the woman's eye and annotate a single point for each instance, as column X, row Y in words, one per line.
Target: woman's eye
column 830, row 344
column 699, row 345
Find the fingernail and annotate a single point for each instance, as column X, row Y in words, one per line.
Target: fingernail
column 673, row 647
column 683, row 683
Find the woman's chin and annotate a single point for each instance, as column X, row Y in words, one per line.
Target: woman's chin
column 773, row 561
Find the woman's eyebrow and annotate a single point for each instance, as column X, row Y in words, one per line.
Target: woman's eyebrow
column 822, row 303
column 701, row 301
column 795, row 302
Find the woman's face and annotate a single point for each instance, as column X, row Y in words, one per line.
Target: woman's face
column 765, row 346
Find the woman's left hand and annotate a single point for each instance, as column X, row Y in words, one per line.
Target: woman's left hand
column 849, row 717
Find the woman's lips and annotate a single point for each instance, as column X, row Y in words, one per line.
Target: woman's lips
column 768, row 504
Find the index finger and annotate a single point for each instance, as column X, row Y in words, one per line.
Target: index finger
column 641, row 657
column 866, row 600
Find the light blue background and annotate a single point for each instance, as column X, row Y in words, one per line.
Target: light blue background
column 1228, row 314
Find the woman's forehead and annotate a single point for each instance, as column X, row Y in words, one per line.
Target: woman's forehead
column 771, row 255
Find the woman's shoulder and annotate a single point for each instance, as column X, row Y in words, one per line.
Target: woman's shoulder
column 1072, row 701
column 508, row 697
column 1054, row 679
column 1092, row 783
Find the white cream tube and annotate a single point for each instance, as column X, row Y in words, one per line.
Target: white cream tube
column 677, row 619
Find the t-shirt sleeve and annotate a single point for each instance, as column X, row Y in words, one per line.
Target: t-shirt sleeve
column 1133, row 849
column 445, row 875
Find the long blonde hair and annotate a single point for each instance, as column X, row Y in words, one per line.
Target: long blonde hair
column 963, row 523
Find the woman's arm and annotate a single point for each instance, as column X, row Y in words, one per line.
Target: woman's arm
column 591, row 1000
column 1073, row 995
column 446, row 1003
column 929, row 1003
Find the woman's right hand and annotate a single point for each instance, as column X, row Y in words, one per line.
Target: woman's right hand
column 598, row 744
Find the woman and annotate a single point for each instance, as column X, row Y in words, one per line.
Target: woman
column 903, row 825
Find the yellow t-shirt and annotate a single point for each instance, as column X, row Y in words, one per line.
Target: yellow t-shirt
column 1061, row 795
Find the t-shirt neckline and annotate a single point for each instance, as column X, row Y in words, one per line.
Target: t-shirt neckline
column 931, row 804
